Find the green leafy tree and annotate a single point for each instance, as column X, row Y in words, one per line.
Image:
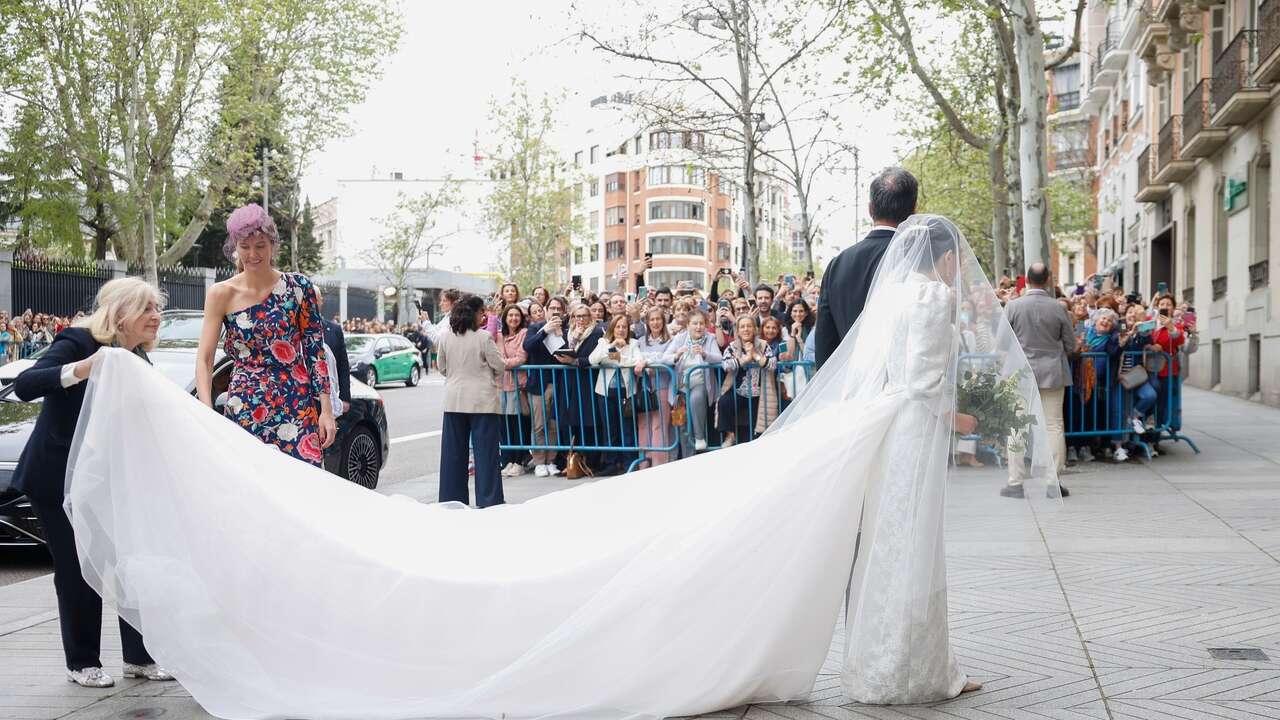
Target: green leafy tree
column 531, row 205
column 310, row 256
column 412, row 235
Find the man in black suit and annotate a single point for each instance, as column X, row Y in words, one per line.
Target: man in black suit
column 849, row 276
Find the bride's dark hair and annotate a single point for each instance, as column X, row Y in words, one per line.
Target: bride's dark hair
column 940, row 234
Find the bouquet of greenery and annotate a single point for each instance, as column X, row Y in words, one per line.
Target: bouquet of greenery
column 998, row 406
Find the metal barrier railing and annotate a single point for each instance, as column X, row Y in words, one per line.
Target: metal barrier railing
column 630, row 421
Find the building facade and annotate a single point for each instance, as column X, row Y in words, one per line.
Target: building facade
column 654, row 194
column 1185, row 96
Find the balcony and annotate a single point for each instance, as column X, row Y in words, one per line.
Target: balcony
column 1259, row 274
column 1108, row 58
column 1237, row 97
column 1166, row 11
column 1219, row 287
column 1199, row 139
column 1065, row 102
column 1153, row 32
column 1148, row 190
column 1071, row 159
column 1171, row 167
column 1268, row 42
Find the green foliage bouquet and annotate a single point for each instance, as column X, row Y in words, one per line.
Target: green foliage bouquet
column 998, row 406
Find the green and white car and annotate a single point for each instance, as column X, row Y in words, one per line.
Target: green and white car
column 384, row 358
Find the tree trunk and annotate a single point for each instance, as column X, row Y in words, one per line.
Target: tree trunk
column 1032, row 126
column 807, row 229
column 1000, row 210
column 148, row 209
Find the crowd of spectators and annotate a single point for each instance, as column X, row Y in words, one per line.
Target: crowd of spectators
column 24, row 335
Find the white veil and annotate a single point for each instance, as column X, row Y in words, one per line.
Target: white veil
column 272, row 589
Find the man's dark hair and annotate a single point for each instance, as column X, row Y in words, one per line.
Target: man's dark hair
column 463, row 318
column 663, row 291
column 893, row 195
column 766, row 288
column 1038, row 275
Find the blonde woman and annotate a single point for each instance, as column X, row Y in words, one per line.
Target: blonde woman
column 127, row 315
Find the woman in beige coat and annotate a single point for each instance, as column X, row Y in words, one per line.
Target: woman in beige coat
column 472, row 366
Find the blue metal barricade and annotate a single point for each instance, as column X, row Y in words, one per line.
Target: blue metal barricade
column 1099, row 406
column 712, row 411
column 629, row 423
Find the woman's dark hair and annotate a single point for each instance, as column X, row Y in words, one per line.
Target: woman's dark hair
column 940, row 234
column 524, row 319
column 509, row 285
column 809, row 319
column 564, row 304
column 893, row 195
column 767, row 320
column 464, row 315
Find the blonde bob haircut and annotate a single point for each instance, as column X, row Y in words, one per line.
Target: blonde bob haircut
column 119, row 302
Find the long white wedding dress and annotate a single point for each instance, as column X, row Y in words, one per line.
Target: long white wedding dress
column 274, row 590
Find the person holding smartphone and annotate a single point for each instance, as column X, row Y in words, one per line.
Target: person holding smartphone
column 1169, row 337
column 540, row 340
column 1134, row 338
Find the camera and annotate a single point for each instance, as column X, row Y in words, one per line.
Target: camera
column 726, row 325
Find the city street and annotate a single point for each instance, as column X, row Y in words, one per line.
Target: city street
column 1151, row 593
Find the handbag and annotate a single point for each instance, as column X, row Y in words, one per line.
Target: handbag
column 1155, row 361
column 1134, row 377
column 678, row 413
column 575, row 466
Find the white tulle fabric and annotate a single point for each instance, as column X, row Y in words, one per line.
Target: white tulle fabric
column 274, row 590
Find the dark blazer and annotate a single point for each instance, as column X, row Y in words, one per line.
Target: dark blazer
column 538, row 355
column 42, row 467
column 337, row 342
column 578, row 394
column 844, row 290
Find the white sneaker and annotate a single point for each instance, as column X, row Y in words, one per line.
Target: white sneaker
column 552, row 470
column 1137, row 425
column 1086, row 455
column 90, row 677
column 1121, row 455
column 1072, row 455
column 699, row 444
column 541, row 471
column 150, row 672
column 509, row 470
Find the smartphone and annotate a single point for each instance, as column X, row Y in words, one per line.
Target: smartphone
column 1148, row 326
column 631, row 297
column 724, row 303
column 1164, row 312
column 790, row 280
column 576, row 281
column 1189, row 317
column 648, row 257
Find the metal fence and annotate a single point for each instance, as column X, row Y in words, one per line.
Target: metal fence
column 56, row 287
column 183, row 287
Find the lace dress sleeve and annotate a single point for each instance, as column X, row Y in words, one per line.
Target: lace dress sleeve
column 930, row 346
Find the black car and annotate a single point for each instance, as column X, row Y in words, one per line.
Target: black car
column 358, row 454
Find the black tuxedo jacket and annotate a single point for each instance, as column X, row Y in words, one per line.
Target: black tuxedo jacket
column 844, row 290
column 42, row 467
column 337, row 342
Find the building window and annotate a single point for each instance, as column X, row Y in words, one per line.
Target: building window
column 637, row 215
column 659, row 140
column 724, row 252
column 722, row 218
column 635, row 247
column 595, row 252
column 616, row 215
column 674, row 140
column 595, row 154
column 577, row 256
column 635, row 181
column 595, row 187
column 671, row 278
column 595, row 220
column 615, row 182
column 1189, row 249
column 1219, row 235
column 1261, row 187
column 577, row 159
column 677, row 245
column 613, row 249
column 677, row 210
column 1218, row 30
column 677, row 175
column 577, row 192
column 638, row 145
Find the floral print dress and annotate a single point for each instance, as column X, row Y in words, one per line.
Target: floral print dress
column 280, row 370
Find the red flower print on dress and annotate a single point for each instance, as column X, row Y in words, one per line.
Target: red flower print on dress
column 284, row 351
column 310, row 448
column 299, row 373
column 259, row 414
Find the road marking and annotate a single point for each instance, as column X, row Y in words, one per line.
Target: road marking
column 419, row 436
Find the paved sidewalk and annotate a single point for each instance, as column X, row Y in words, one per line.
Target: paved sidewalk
column 1106, row 609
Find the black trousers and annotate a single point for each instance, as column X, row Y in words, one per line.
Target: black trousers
column 483, row 431
column 80, row 606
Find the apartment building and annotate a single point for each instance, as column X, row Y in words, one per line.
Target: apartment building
column 654, row 191
column 1184, row 92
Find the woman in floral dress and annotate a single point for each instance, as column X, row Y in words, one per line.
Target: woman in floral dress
column 279, row 388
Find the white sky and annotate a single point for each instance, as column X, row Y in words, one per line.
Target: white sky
column 422, row 117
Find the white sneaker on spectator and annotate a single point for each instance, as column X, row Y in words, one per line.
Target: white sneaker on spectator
column 1072, row 455
column 552, row 470
column 511, row 470
column 1137, row 425
column 1121, row 455
column 541, row 471
column 90, row 677
column 1086, row 455
column 699, row 444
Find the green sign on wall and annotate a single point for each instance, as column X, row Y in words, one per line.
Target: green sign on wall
column 1235, row 195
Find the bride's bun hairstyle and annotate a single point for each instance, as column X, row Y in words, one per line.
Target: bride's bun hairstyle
column 245, row 222
column 929, row 238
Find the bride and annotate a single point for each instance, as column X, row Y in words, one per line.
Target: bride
column 271, row 589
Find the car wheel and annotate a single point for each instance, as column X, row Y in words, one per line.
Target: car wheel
column 361, row 458
column 370, row 376
column 415, row 374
